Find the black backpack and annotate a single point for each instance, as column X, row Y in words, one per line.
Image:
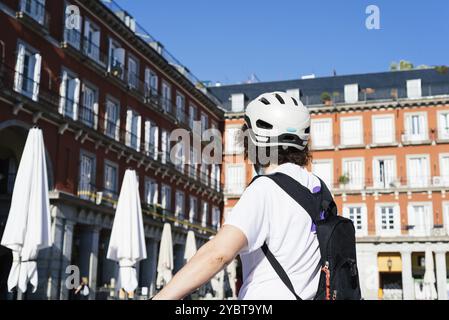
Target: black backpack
column 339, row 279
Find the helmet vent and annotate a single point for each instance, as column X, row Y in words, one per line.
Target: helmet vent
column 289, row 137
column 263, row 124
column 307, row 130
column 294, row 101
column 279, row 98
column 264, row 101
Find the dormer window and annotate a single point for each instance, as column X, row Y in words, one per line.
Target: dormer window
column 238, row 102
column 351, row 93
column 414, row 89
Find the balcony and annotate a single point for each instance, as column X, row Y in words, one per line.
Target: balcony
column 86, row 122
column 33, row 14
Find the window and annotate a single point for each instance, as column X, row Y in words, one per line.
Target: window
column 414, row 90
column 204, row 122
column 69, row 92
column 133, row 72
column 215, row 217
column 415, row 127
column 192, row 115
column 231, row 143
column 215, row 176
column 383, row 129
column 324, row 170
column 387, row 219
column 180, row 107
column 72, row 35
column 443, row 124
column 86, row 186
column 193, row 208
column 235, row 178
column 238, row 102
column 112, row 119
column 166, row 197
column 418, row 170
column 351, row 131
column 194, row 160
column 165, row 146
column 88, row 111
column 151, row 83
column 116, row 59
column 166, row 97
column 446, row 216
column 321, row 133
column 91, row 40
column 420, row 219
column 351, row 93
column 133, row 129
column 384, row 172
column 444, row 169
column 180, row 157
column 151, row 191
column 204, row 213
column 34, row 8
column 151, row 136
column 295, row 93
column 357, row 213
column 179, row 204
column 27, row 71
column 353, row 170
column 204, row 172
column 110, row 182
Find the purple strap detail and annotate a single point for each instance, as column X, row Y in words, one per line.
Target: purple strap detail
column 316, row 189
column 313, row 228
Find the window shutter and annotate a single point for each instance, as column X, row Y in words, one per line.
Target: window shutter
column 62, row 92
column 86, row 30
column 129, row 119
column 18, row 80
column 36, row 76
column 351, row 93
column 76, row 98
column 147, row 136
column 414, row 89
column 95, row 107
column 139, row 131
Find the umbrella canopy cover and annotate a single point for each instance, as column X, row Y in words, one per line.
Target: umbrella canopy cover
column 165, row 259
column 190, row 248
column 127, row 242
column 27, row 229
column 429, row 290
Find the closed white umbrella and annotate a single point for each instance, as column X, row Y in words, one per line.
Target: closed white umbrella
column 127, row 243
column 165, row 259
column 28, row 227
column 190, row 248
column 429, row 290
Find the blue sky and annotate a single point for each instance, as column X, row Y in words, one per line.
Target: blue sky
column 229, row 40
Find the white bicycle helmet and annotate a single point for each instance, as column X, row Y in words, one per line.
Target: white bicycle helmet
column 278, row 119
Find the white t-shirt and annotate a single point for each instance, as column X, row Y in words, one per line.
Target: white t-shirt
column 267, row 213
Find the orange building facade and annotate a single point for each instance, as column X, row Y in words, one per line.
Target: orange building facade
column 385, row 159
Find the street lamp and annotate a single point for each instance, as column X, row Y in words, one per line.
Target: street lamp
column 389, row 264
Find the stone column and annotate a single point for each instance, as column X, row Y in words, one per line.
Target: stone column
column 440, row 260
column 90, row 238
column 408, row 290
column 152, row 250
column 66, row 257
column 54, row 259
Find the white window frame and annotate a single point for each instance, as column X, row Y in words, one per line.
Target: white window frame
column 131, row 116
column 94, row 110
column 378, row 184
column 425, row 179
column 354, row 186
column 91, row 182
column 132, row 76
column 409, row 136
column 330, row 183
column 116, row 102
column 22, row 50
column 414, row 84
column 180, row 106
column 444, row 177
column 193, row 211
column 364, row 219
column 234, row 188
column 204, row 212
column 116, row 55
column 375, row 135
column 114, row 191
column 151, row 199
column 166, row 205
column 216, row 216
column 237, row 102
column 351, row 92
column 91, row 46
column 329, row 143
column 396, row 231
column 427, row 206
column 66, row 74
column 180, row 208
column 166, row 96
column 343, row 139
column 441, row 134
column 192, row 115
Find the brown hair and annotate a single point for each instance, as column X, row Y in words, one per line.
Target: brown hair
column 289, row 154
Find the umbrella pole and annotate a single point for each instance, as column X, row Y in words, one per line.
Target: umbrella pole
column 19, row 294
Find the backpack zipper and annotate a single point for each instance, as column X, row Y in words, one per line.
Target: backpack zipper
column 326, row 270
